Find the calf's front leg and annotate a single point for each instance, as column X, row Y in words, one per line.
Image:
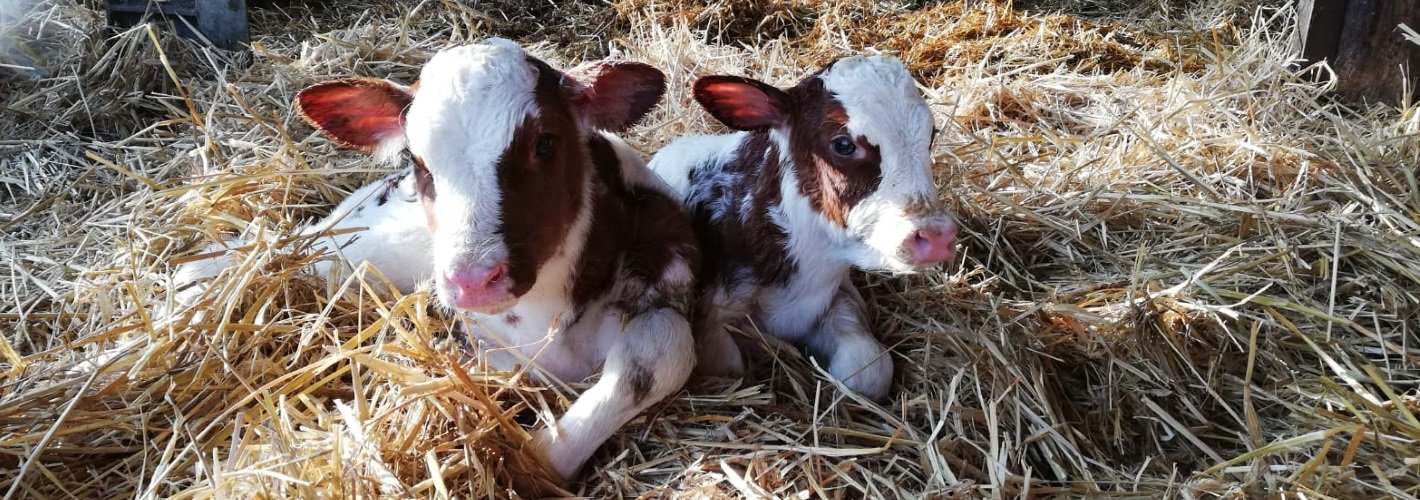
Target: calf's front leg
column 844, row 342
column 651, row 359
column 716, row 352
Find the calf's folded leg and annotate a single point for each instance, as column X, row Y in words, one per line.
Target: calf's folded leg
column 851, row 352
column 651, row 359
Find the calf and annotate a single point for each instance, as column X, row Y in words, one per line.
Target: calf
column 830, row 174
column 548, row 234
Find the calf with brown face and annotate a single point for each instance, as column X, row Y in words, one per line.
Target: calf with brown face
column 539, row 227
column 832, row 173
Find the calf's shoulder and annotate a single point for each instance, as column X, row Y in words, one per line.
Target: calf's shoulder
column 640, row 253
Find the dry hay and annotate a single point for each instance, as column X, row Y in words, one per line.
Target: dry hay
column 1179, row 278
column 935, row 40
column 726, row 21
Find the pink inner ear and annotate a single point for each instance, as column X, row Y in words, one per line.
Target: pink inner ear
column 614, row 95
column 359, row 113
column 740, row 105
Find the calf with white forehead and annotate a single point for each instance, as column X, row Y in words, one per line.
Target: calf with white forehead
column 830, row 174
column 545, row 231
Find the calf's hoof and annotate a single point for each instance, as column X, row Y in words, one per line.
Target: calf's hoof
column 719, row 356
column 865, row 369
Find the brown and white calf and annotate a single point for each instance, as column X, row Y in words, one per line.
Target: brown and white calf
column 546, row 232
column 832, row 173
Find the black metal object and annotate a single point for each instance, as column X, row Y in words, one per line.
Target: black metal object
column 1320, row 23
column 1359, row 39
column 222, row 22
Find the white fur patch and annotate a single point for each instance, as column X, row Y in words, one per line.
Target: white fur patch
column 885, row 107
column 394, row 239
column 470, row 101
column 675, row 162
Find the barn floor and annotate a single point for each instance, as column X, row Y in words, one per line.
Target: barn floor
column 1185, row 272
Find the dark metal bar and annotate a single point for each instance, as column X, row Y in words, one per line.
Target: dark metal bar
column 222, row 22
column 1321, row 22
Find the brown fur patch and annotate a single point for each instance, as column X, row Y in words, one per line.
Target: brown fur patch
column 833, row 183
column 541, row 195
column 636, row 234
column 750, row 240
column 640, row 377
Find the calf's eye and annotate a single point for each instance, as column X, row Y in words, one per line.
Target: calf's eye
column 843, row 146
column 543, row 149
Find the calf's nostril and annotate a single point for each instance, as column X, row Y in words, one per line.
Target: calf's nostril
column 495, row 275
column 928, row 237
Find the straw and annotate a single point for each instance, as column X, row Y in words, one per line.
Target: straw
column 1186, row 270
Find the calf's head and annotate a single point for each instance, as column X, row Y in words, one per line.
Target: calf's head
column 858, row 134
column 498, row 139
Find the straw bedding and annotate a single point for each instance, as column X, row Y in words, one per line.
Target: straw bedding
column 1186, row 270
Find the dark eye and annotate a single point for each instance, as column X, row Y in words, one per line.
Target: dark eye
column 844, row 146
column 543, row 149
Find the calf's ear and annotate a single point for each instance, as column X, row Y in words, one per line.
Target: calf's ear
column 361, row 113
column 742, row 103
column 614, row 95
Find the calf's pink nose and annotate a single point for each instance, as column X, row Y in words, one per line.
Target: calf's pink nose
column 933, row 244
column 478, row 284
